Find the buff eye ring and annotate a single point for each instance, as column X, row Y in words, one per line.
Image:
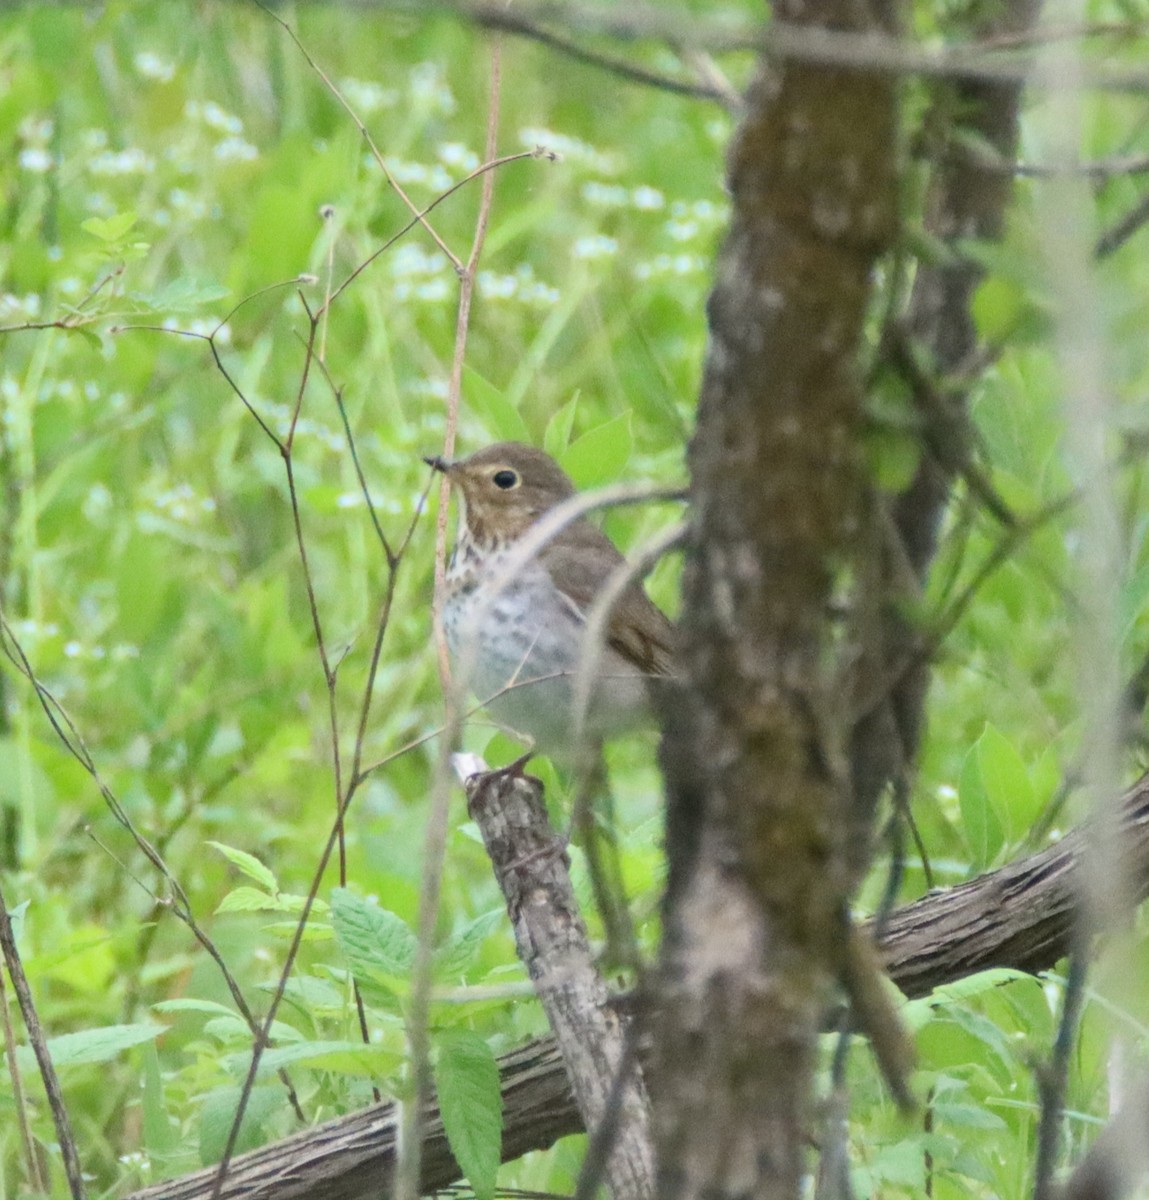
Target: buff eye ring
column 505, row 479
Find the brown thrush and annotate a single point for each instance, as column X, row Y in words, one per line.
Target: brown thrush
column 518, row 628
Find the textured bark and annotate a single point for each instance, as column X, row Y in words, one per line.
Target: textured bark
column 754, row 752
column 550, row 935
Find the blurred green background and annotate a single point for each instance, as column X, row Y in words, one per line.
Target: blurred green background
column 167, row 165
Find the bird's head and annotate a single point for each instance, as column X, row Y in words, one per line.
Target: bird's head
column 503, row 489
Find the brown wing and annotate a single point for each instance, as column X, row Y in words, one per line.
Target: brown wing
column 582, row 561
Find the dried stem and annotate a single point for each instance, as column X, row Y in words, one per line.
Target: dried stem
column 435, row 840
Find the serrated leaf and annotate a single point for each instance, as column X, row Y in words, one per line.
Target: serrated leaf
column 600, row 456
column 499, row 415
column 557, row 435
column 461, row 950
column 109, row 229
column 467, row 1078
column 249, row 865
column 247, row 899
column 374, row 940
column 93, row 1045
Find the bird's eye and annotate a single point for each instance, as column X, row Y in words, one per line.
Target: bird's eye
column 505, row 479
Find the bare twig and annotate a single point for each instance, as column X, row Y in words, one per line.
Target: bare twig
column 72, row 1167
column 435, row 840
column 1122, row 230
column 19, row 1100
column 1053, row 1077
column 511, row 21
column 380, row 161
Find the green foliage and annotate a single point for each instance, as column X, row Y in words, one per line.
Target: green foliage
column 467, row 1081
column 167, row 172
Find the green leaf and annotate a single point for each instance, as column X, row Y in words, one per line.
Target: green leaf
column 975, row 985
column 109, row 229
column 998, row 307
column 342, row 1057
column 900, row 1164
column 1133, row 600
column 246, row 899
column 982, row 828
column 218, row 1115
column 314, row 994
column 460, row 951
column 93, row 339
column 986, row 1032
column 498, row 413
column 160, row 1135
column 969, row 1116
column 288, row 929
column 181, row 295
column 22, row 778
column 210, row 1007
column 467, row 1078
column 249, row 865
column 557, row 436
column 93, row 1045
column 892, row 456
column 1006, row 782
column 600, row 456
column 232, row 1029
column 374, row 940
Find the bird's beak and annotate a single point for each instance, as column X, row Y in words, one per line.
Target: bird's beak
column 438, row 463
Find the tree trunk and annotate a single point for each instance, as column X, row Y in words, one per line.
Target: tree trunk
column 755, row 747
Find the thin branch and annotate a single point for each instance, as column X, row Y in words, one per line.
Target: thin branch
column 435, row 841
column 380, row 161
column 1122, row 230
column 19, row 1101
column 513, row 22
column 1053, row 1078
column 68, row 1152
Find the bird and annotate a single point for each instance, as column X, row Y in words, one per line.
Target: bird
column 517, row 628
